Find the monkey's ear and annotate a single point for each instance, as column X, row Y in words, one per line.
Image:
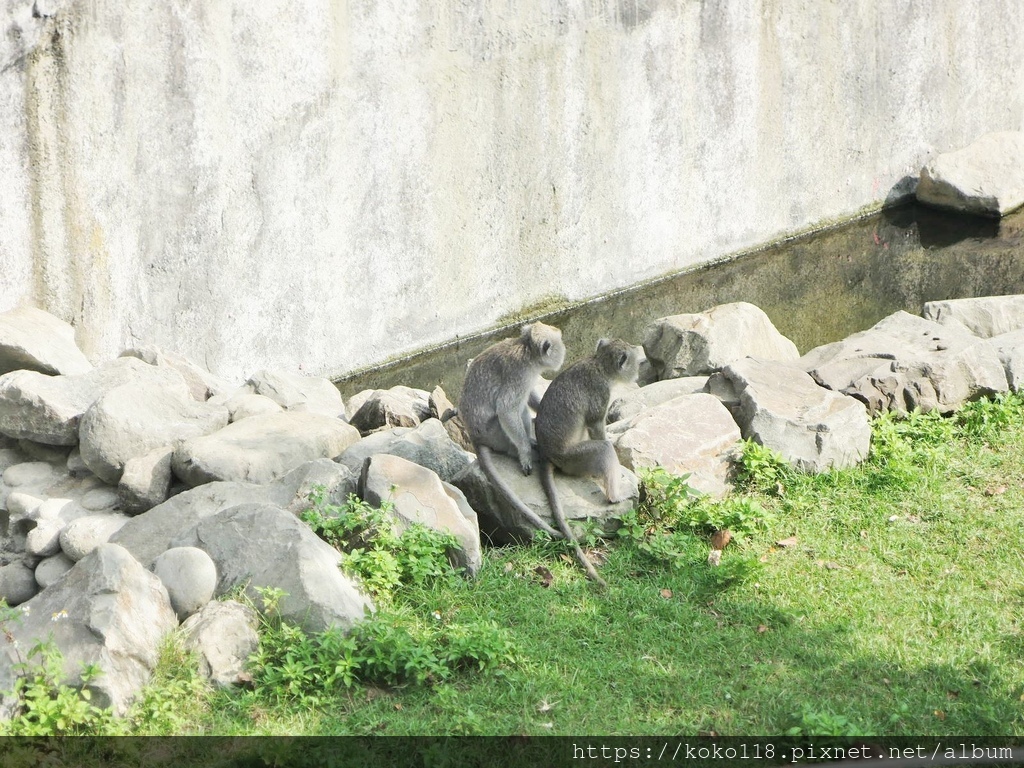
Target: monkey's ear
column 524, row 332
column 602, row 343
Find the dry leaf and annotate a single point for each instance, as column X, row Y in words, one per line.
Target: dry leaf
column 830, row 566
column 893, row 518
column 913, row 519
column 545, row 706
column 508, row 567
column 666, row 593
column 790, row 542
column 720, row 539
column 886, row 681
column 398, row 706
column 999, row 489
column 566, row 558
column 715, row 557
column 940, row 714
column 761, row 629
column 545, row 576
column 952, row 695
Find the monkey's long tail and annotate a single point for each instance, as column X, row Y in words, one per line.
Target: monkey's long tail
column 547, row 479
column 483, row 455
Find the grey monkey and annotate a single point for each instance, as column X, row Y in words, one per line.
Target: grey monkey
column 570, row 426
column 496, row 400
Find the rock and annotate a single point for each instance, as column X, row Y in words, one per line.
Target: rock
column 417, row 495
column 22, row 506
column 318, row 594
column 905, row 362
column 261, row 448
column 331, row 481
column 782, row 408
column 458, row 433
column 99, row 499
column 83, row 535
column 52, row 568
column 76, row 467
column 702, row 343
column 985, row 178
column 34, row 340
column 723, row 389
column 107, row 610
column 986, row 317
column 295, row 392
column 44, row 539
column 223, row 637
column 441, row 407
column 427, row 444
column 581, row 497
column 1010, row 349
column 354, row 403
column 29, row 473
column 47, row 409
column 145, row 481
column 17, row 584
column 54, row 454
column 396, row 407
column 136, row 418
column 633, row 401
column 692, row 434
column 245, row 404
column 189, row 576
column 202, row 385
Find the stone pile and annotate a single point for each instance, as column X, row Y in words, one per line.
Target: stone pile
column 135, row 493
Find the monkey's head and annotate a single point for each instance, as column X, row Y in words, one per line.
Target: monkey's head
column 620, row 361
column 545, row 345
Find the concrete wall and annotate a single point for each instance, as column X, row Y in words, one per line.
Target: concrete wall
column 322, row 184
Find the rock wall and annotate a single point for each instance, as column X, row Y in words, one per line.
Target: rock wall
column 319, row 185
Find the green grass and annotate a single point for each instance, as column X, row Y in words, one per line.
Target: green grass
column 896, row 611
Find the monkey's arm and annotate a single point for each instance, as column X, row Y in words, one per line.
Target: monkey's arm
column 513, row 424
column 596, row 429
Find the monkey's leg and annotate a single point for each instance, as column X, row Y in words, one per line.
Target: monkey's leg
column 515, row 427
column 483, row 454
column 595, row 458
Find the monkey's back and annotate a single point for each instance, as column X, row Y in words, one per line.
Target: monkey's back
column 489, row 378
column 577, row 396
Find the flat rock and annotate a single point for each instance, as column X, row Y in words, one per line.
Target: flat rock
column 261, row 448
column 782, row 408
column 223, row 637
column 52, row 568
column 295, row 392
column 190, row 577
column 55, row 454
column 692, row 434
column 656, row 393
column 47, row 409
column 202, row 385
column 986, row 316
column 84, row 534
column 106, row 610
column 131, row 420
column 702, row 343
column 985, row 178
column 905, row 362
column 318, row 594
column 417, row 495
column 396, row 407
column 34, row 340
column 582, row 500
column 427, row 444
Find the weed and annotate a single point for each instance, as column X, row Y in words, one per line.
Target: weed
column 761, row 469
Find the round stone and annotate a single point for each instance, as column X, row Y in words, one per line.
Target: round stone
column 190, row 576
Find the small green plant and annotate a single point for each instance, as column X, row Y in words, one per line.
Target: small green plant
column 815, row 723
column 174, row 693
column 761, row 469
column 988, row 419
column 740, row 515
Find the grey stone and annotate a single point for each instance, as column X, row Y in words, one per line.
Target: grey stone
column 84, row 534
column 581, row 498
column 986, row 316
column 396, row 407
column 261, row 448
column 107, row 610
column 76, row 467
column 702, row 343
column 17, row 583
column 295, row 392
column 29, row 473
column 202, row 385
column 54, row 454
column 136, row 418
column 1010, row 349
column 428, row 444
column 905, row 362
column 223, row 635
column 633, row 401
column 99, row 499
column 44, row 539
column 333, row 482
column 441, row 407
column 318, row 594
column 691, row 434
column 146, row 481
column 242, row 405
column 52, row 568
column 417, row 495
column 356, row 401
column 781, row 407
column 47, row 409
column 190, row 577
column 34, row 340
column 986, row 177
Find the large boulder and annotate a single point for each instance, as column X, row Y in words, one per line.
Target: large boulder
column 131, row 420
column 202, row 385
column 417, row 495
column 631, row 402
column 781, row 407
column 396, row 407
column 985, row 178
column 692, row 434
column 107, row 610
column 427, row 444
column 702, row 343
column 1010, row 349
column 262, row 545
column 261, row 448
column 84, row 534
column 34, row 340
column 47, row 409
column 905, row 362
column 295, row 392
column 986, row 316
column 581, row 498
column 223, row 637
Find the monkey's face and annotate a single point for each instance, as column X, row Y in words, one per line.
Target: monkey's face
column 621, row 361
column 547, row 345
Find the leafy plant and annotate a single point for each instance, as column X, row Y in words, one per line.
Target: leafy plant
column 762, row 469
column 988, row 419
column 815, row 723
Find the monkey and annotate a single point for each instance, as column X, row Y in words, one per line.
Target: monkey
column 573, row 409
column 496, row 398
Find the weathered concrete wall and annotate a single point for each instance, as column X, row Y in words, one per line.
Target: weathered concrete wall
column 323, row 184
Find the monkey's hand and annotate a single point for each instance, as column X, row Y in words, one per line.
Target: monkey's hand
column 526, row 462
